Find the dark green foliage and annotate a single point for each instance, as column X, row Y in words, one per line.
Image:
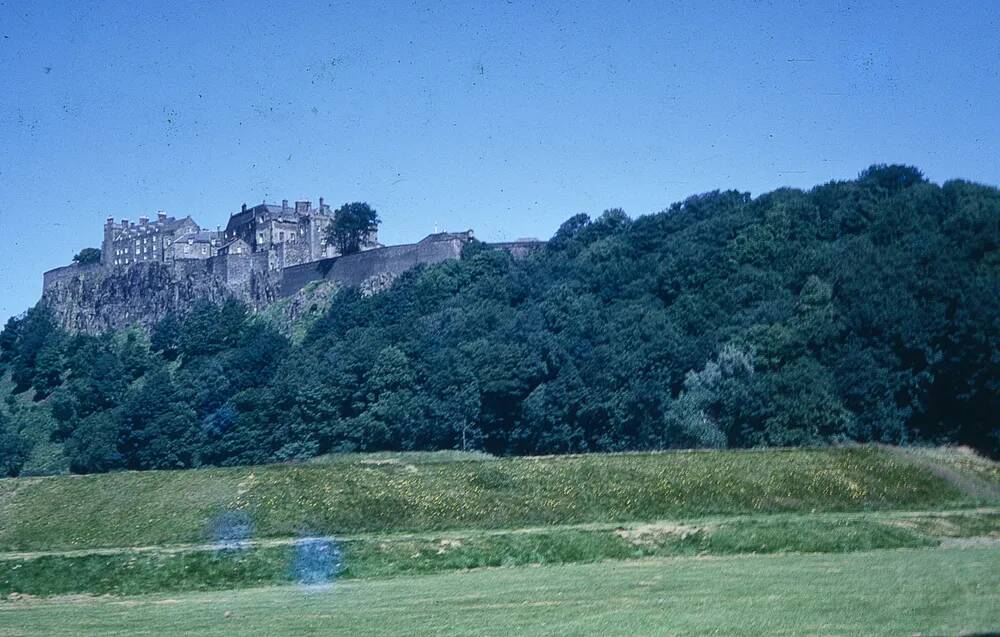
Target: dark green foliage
column 165, row 337
column 93, row 444
column 87, row 255
column 33, row 352
column 13, row 450
column 863, row 310
column 352, row 223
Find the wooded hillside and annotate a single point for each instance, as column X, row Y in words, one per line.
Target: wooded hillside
column 864, row 310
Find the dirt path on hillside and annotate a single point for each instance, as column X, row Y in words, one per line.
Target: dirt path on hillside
column 623, row 530
column 168, row 549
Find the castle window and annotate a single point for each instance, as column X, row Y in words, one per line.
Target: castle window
column 281, row 236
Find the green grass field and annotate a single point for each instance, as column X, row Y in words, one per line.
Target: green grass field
column 268, row 562
column 862, row 540
column 384, row 494
column 892, row 592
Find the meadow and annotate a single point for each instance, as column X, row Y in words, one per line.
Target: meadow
column 273, row 562
column 406, row 540
column 954, row 591
column 401, row 493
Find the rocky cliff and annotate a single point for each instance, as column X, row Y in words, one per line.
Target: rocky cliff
column 96, row 299
column 144, row 293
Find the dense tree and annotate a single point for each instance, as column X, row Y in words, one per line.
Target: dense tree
column 352, row 224
column 87, row 255
column 165, row 337
column 93, row 445
column 13, row 450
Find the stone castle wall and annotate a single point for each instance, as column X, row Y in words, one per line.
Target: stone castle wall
column 69, row 272
column 94, row 298
column 353, row 270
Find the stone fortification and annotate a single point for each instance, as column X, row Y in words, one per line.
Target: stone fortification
column 391, row 261
column 94, row 298
column 265, row 253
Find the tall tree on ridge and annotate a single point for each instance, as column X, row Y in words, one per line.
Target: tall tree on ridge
column 352, row 224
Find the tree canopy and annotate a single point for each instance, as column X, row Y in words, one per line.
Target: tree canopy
column 862, row 310
column 87, row 255
column 351, row 227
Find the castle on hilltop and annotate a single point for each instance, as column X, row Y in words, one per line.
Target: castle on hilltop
column 290, row 236
column 266, row 253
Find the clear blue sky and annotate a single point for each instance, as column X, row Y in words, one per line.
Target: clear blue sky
column 506, row 117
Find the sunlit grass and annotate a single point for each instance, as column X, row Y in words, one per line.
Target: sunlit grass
column 897, row 592
column 180, row 568
column 390, row 494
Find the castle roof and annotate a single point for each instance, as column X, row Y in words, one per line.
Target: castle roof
column 269, row 212
column 201, row 236
column 224, row 248
column 169, row 224
column 449, row 236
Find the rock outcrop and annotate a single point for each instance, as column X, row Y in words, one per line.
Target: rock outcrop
column 95, row 299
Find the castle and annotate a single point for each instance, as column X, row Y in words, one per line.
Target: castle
column 266, row 253
column 290, row 236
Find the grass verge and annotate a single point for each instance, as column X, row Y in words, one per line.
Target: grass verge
column 904, row 592
column 133, row 572
column 415, row 493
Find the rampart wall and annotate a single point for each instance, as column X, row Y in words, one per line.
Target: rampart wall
column 355, row 269
column 93, row 298
column 69, row 272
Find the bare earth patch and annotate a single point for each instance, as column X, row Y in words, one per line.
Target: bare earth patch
column 652, row 535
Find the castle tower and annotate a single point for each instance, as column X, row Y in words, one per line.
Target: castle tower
column 107, row 245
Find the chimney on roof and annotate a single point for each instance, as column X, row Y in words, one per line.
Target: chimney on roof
column 124, row 223
column 244, row 208
column 322, row 206
column 302, row 207
column 143, row 221
column 110, row 221
column 284, row 205
column 161, row 216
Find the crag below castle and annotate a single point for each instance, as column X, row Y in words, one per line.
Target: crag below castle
column 94, row 298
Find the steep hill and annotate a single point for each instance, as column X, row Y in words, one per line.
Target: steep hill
column 863, row 310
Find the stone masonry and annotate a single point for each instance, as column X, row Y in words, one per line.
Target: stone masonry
column 266, row 253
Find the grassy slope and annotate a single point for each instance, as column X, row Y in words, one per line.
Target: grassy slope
column 903, row 592
column 973, row 474
column 386, row 495
column 133, row 572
